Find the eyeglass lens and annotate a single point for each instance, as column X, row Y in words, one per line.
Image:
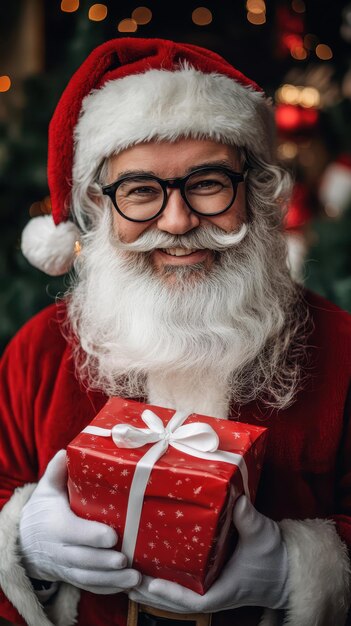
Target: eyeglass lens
column 207, row 192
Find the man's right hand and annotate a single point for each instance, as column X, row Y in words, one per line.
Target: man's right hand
column 57, row 545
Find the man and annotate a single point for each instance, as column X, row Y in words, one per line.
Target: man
column 162, row 155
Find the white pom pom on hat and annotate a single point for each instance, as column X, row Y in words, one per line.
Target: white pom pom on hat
column 48, row 247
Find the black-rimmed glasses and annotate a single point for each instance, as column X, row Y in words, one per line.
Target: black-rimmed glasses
column 206, row 191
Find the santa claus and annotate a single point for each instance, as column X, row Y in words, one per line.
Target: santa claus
column 167, row 199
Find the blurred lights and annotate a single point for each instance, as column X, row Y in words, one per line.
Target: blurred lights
column 298, row 6
column 97, row 12
column 289, row 94
column 306, row 97
column 309, row 97
column 299, row 53
column 142, row 15
column 256, row 12
column 69, row 6
column 324, row 52
column 287, row 117
column 5, row 83
column 256, row 6
column 201, row 16
column 256, row 18
column 127, row 26
column 295, row 119
column 287, row 150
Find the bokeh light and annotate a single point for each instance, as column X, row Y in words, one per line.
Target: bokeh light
column 127, row 26
column 324, row 52
column 142, row 15
column 201, row 16
column 299, row 53
column 256, row 6
column 5, row 83
column 256, row 18
column 69, row 6
column 97, row 12
column 309, row 97
column 287, row 150
column 288, row 94
column 298, row 6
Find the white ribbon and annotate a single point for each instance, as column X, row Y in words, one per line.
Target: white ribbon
column 196, row 439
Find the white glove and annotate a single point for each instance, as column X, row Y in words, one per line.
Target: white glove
column 57, row 545
column 256, row 574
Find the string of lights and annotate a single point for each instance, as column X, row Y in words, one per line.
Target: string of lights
column 298, row 45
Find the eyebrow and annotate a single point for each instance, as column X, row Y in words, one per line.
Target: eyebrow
column 221, row 162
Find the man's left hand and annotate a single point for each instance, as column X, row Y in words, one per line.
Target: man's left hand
column 256, row 574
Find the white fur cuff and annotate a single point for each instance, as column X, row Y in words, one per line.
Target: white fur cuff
column 319, row 575
column 14, row 580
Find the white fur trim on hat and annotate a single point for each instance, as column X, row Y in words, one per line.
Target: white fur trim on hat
column 14, row 581
column 48, row 247
column 319, row 575
column 167, row 105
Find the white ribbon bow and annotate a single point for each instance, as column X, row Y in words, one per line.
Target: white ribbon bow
column 198, row 436
column 196, row 439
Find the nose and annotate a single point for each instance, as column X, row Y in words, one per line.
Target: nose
column 177, row 218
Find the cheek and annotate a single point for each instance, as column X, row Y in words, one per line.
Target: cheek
column 126, row 231
column 235, row 216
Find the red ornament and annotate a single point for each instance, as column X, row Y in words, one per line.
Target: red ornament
column 291, row 119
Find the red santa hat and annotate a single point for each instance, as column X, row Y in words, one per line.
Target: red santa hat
column 130, row 91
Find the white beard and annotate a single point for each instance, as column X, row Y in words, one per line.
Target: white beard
column 183, row 341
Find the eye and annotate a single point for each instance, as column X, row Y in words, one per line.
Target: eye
column 143, row 191
column 205, row 186
column 138, row 189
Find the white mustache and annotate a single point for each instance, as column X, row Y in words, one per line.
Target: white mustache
column 209, row 237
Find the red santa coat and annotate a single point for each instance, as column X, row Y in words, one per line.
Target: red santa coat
column 306, row 475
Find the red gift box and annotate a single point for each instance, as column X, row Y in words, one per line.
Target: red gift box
column 171, row 498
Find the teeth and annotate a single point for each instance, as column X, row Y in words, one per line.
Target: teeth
column 178, row 251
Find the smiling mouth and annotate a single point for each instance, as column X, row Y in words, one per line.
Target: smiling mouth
column 179, row 251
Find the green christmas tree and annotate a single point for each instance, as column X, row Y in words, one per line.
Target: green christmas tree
column 23, row 156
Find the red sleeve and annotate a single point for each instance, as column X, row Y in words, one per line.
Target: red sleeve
column 19, row 381
column 18, row 463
